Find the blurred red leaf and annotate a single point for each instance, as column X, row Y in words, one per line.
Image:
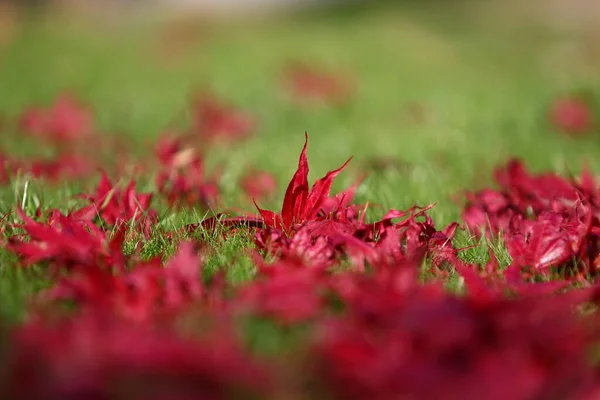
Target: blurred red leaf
column 215, row 120
column 307, row 83
column 572, row 116
column 65, row 120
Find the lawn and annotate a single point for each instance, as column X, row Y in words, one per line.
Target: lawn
column 106, row 300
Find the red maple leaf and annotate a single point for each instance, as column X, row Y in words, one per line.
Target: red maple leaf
column 64, row 241
column 300, row 203
column 145, row 290
column 115, row 206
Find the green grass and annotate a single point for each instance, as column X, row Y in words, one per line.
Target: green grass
column 486, row 94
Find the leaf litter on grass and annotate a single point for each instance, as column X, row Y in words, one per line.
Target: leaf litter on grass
column 366, row 300
column 157, row 285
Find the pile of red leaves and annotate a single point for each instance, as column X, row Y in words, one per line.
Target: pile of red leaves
column 548, row 223
column 347, row 294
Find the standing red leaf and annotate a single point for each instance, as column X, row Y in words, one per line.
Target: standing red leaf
column 301, row 204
